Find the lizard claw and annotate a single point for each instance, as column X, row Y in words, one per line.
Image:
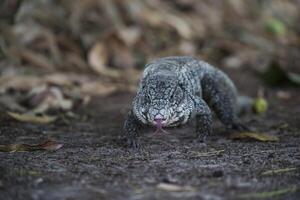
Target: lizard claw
column 159, row 126
column 202, row 138
column 160, row 130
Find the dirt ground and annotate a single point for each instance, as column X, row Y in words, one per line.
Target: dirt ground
column 95, row 163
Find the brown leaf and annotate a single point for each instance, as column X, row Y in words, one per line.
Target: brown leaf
column 34, row 58
column 180, row 25
column 161, row 19
column 43, row 98
column 129, row 35
column 98, row 88
column 18, row 82
column 85, row 83
column 121, row 54
column 49, row 145
column 44, row 119
column 263, row 137
column 98, row 59
column 11, row 103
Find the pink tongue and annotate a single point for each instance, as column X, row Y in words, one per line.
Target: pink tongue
column 159, row 128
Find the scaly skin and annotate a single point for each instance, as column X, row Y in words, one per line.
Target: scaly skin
column 174, row 90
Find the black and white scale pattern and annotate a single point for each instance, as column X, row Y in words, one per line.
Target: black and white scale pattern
column 178, row 89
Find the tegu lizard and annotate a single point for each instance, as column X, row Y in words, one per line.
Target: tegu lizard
column 174, row 90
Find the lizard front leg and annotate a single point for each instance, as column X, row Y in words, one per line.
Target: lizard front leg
column 203, row 119
column 131, row 127
column 221, row 96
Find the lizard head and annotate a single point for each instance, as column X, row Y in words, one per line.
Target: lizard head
column 162, row 101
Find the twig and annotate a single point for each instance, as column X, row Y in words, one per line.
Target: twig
column 263, row 195
column 277, row 171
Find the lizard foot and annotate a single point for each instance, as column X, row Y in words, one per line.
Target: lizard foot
column 201, row 138
column 133, row 143
column 159, row 126
column 160, row 130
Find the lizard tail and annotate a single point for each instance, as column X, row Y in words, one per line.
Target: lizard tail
column 245, row 105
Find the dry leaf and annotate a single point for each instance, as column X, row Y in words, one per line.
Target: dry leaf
column 263, row 137
column 18, row 82
column 98, row 57
column 43, row 98
column 129, row 35
column 98, row 60
column 44, row 119
column 160, row 19
column 49, row 145
column 98, row 88
column 181, row 25
column 174, row 188
column 34, row 58
column 121, row 55
column 11, row 103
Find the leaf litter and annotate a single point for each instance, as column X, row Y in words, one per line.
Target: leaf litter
column 43, row 119
column 262, row 137
column 49, row 145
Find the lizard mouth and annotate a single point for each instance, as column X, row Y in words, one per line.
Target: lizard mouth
column 159, row 126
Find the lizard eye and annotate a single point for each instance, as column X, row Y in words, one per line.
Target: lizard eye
column 145, row 99
column 143, row 113
column 177, row 94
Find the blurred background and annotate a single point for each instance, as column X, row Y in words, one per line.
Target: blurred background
column 97, row 47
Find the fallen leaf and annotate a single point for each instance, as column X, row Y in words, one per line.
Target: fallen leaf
column 98, row 59
column 49, row 145
column 44, row 98
column 174, row 188
column 21, row 82
column 44, row 119
column 180, row 25
column 34, row 58
column 130, row 35
column 98, row 88
column 275, row 27
column 11, row 103
column 121, row 55
column 161, row 19
column 263, row 137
